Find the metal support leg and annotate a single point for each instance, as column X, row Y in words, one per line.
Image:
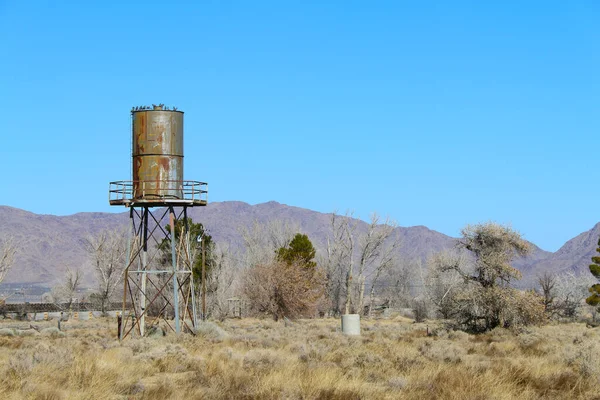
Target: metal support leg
column 126, row 274
column 144, row 276
column 174, row 262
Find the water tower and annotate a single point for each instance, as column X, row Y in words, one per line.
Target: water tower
column 158, row 278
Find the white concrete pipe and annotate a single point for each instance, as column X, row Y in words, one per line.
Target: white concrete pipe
column 351, row 324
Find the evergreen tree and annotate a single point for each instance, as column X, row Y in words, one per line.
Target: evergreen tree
column 196, row 230
column 299, row 250
column 594, row 299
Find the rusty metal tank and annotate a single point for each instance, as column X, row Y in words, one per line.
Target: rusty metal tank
column 157, row 153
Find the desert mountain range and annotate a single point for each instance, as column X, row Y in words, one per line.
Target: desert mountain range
column 49, row 244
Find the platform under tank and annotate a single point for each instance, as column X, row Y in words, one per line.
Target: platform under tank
column 157, row 154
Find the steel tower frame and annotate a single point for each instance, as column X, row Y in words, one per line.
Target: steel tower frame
column 150, row 283
column 154, row 289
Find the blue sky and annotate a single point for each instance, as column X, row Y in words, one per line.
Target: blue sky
column 434, row 113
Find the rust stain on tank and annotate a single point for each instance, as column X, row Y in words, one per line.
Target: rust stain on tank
column 165, row 163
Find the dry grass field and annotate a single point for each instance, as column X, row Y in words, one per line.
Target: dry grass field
column 308, row 359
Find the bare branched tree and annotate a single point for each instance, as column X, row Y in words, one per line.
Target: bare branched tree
column 339, row 262
column 389, row 263
column 349, row 251
column 222, row 281
column 442, row 285
column 263, row 240
column 349, row 229
column 374, row 257
column 107, row 251
column 547, row 282
column 400, row 280
column 571, row 290
column 67, row 292
column 8, row 250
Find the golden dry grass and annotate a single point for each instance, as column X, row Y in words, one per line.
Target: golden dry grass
column 309, row 359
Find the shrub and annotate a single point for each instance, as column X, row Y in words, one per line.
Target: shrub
column 7, row 332
column 211, row 330
column 282, row 289
column 420, row 310
column 52, row 332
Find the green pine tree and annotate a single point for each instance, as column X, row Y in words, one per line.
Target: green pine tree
column 196, row 230
column 594, row 299
column 299, row 250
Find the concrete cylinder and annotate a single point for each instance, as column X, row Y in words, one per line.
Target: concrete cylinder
column 351, row 324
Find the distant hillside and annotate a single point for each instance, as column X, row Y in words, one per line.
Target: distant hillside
column 574, row 256
column 51, row 243
column 48, row 243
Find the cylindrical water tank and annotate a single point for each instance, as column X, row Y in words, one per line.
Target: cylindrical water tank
column 157, row 154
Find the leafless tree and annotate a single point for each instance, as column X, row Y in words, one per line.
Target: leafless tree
column 571, row 290
column 222, row 281
column 107, row 251
column 8, row 250
column 443, row 285
column 350, row 252
column 375, row 254
column 262, row 240
column 400, row 281
column 547, row 282
column 339, row 262
column 389, row 262
column 67, row 292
